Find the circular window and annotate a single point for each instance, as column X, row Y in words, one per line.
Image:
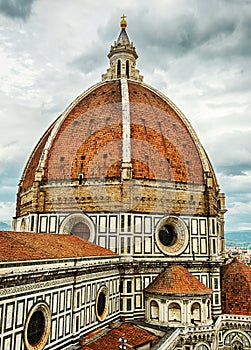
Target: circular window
column 81, row 230
column 167, row 235
column 102, row 303
column 37, row 327
column 171, row 235
column 79, row 225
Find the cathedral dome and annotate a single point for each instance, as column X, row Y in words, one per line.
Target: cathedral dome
column 88, row 139
column 120, row 130
column 121, row 145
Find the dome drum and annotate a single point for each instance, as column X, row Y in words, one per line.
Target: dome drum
column 113, row 195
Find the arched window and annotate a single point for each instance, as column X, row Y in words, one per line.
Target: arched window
column 127, row 69
column 174, row 312
column 119, row 69
column 196, row 313
column 81, row 230
column 237, row 340
column 154, row 310
column 237, row 345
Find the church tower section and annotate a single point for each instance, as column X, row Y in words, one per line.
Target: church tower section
column 122, row 57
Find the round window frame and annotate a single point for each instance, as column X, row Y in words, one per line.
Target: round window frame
column 181, row 233
column 44, row 309
column 71, row 220
column 104, row 290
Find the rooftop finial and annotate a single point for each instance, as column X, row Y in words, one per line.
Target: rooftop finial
column 123, row 23
column 122, row 57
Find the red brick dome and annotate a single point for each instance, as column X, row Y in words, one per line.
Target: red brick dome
column 120, row 147
column 87, row 139
column 176, row 279
column 236, row 288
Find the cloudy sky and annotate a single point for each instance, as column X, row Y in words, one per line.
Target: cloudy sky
column 197, row 52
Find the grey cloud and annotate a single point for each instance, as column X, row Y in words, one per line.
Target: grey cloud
column 6, row 193
column 235, row 188
column 234, row 198
column 90, row 60
column 238, row 144
column 10, row 176
column 16, row 8
column 168, row 38
column 234, row 169
column 11, row 170
column 225, row 33
column 237, row 222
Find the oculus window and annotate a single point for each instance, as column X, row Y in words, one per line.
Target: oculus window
column 79, row 225
column 81, row 230
column 102, row 303
column 37, row 327
column 171, row 235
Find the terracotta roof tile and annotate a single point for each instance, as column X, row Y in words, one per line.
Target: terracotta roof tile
column 177, row 280
column 110, row 341
column 94, row 127
column 158, row 132
column 16, row 246
column 236, row 289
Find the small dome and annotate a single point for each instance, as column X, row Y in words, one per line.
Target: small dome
column 177, row 280
column 236, row 288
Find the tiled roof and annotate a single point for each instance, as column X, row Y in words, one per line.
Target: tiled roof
column 17, row 246
column 123, row 37
column 177, row 280
column 110, row 341
column 158, row 133
column 161, row 144
column 236, row 288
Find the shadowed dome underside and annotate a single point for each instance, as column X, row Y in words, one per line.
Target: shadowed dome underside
column 33, row 162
